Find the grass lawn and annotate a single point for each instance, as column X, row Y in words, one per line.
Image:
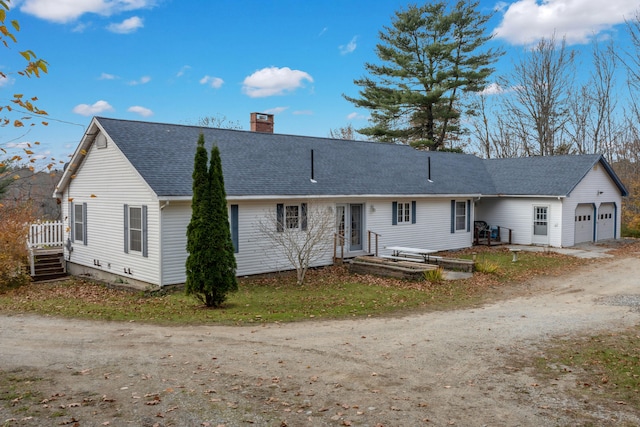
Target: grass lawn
column 328, row 293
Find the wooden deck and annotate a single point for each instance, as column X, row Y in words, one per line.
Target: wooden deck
column 484, row 234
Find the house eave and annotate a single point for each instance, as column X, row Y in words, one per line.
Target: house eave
column 325, row 197
column 526, row 196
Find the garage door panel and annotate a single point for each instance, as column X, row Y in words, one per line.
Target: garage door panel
column 584, row 220
column 606, row 221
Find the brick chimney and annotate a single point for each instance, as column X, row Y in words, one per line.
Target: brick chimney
column 261, row 122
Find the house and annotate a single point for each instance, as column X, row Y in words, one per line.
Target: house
column 126, row 196
column 558, row 201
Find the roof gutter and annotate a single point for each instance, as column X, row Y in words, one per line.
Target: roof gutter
column 526, row 196
column 326, row 197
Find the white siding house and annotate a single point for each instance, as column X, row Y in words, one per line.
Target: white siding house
column 554, row 201
column 126, row 197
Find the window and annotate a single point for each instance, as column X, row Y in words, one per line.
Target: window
column 78, row 213
column 291, row 217
column 460, row 216
column 78, row 222
column 135, row 229
column 403, row 213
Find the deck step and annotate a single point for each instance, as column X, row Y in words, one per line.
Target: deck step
column 48, row 265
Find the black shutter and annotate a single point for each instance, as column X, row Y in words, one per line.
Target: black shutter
column 145, row 232
column 303, row 216
column 84, row 224
column 126, row 229
column 234, row 228
column 72, row 221
column 413, row 212
column 453, row 216
column 394, row 213
column 280, row 217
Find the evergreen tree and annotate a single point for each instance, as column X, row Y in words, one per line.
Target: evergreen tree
column 221, row 276
column 430, row 58
column 211, row 265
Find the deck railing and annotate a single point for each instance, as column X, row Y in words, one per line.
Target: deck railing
column 376, row 236
column 46, row 234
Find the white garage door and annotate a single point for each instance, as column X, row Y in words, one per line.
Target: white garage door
column 606, row 221
column 584, row 223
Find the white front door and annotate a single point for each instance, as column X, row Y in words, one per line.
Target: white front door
column 349, row 225
column 540, row 225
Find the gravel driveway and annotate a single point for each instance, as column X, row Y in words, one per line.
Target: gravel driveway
column 438, row 369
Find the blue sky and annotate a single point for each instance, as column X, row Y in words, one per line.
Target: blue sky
column 178, row 60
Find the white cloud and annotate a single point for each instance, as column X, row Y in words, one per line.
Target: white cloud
column 349, row 47
column 274, row 81
column 143, row 80
column 355, row 116
column 6, row 81
column 63, row 11
column 23, row 144
column 144, row 112
column 91, row 110
column 493, row 89
column 80, row 27
column 127, row 26
column 107, row 76
column 276, row 110
column 214, row 82
column 527, row 21
column 183, row 70
column 303, row 113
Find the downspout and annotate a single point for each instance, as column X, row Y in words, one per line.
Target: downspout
column 160, row 252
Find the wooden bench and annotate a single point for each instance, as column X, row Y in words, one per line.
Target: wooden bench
column 411, row 258
column 402, row 258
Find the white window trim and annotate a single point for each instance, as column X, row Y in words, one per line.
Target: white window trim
column 296, row 217
column 130, row 229
column 81, row 221
column 464, row 216
column 403, row 214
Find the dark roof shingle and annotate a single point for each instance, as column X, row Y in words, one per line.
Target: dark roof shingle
column 266, row 164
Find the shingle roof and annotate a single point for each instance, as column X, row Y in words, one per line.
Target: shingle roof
column 544, row 175
column 266, row 164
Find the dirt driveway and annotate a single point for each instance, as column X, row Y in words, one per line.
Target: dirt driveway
column 439, row 369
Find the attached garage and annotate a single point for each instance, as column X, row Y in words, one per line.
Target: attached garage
column 584, row 220
column 606, row 221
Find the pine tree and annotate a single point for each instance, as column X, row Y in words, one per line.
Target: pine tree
column 430, row 58
column 211, row 265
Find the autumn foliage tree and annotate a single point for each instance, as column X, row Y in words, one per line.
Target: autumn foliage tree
column 20, row 110
column 211, row 263
column 14, row 226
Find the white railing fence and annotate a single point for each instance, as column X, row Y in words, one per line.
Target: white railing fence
column 46, row 234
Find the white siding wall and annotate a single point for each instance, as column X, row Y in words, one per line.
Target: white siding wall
column 588, row 191
column 258, row 254
column 175, row 219
column 106, row 182
column 432, row 229
column 517, row 214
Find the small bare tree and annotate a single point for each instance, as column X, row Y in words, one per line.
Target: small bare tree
column 347, row 132
column 541, row 84
column 303, row 232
